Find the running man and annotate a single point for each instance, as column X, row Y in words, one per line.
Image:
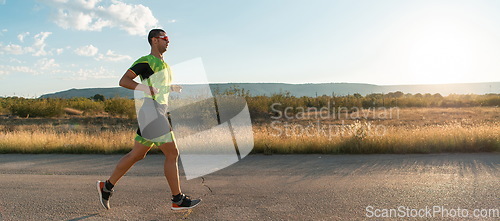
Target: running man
column 156, row 77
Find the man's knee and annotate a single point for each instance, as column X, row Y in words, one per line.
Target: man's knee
column 170, row 150
column 173, row 153
column 137, row 156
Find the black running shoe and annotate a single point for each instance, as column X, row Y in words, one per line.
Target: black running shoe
column 184, row 203
column 104, row 194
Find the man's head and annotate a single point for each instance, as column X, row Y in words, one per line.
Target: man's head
column 158, row 39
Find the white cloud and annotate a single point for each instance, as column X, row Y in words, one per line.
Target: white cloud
column 37, row 49
column 13, row 60
column 22, row 35
column 5, row 30
column 96, row 73
column 172, row 21
column 39, row 45
column 87, row 15
column 88, row 50
column 59, row 51
column 15, row 49
column 2, row 2
column 87, row 4
column 79, row 21
column 111, row 56
column 25, row 69
column 7, row 69
column 42, row 66
column 45, row 64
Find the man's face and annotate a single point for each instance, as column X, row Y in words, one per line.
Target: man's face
column 162, row 42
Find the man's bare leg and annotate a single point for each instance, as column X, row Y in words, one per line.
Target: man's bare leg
column 127, row 161
column 170, row 166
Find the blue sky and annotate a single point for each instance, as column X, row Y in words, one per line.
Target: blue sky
column 53, row 45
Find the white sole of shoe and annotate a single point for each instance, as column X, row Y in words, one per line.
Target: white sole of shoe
column 100, row 194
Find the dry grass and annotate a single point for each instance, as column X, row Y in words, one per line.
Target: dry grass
column 70, row 135
column 364, row 137
column 413, row 130
column 69, row 142
column 409, row 130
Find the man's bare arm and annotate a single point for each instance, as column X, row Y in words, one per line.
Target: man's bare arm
column 127, row 81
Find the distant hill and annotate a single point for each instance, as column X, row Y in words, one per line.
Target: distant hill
column 90, row 92
column 299, row 90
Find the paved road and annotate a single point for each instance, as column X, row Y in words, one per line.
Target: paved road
column 289, row 187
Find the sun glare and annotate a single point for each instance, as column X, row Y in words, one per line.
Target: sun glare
column 440, row 53
column 447, row 46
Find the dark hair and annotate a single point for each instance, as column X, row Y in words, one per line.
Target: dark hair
column 154, row 33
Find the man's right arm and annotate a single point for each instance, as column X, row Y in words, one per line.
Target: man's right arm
column 127, row 81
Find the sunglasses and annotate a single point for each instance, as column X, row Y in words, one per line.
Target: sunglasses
column 163, row 37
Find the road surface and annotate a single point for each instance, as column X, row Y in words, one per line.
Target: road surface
column 259, row 187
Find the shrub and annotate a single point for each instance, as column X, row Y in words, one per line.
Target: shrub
column 88, row 106
column 98, row 97
column 37, row 107
column 120, row 107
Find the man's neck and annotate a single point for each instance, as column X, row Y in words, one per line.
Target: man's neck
column 156, row 54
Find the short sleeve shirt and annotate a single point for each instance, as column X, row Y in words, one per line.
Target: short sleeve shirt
column 154, row 72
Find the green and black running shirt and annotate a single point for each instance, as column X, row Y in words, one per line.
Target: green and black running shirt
column 154, row 72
